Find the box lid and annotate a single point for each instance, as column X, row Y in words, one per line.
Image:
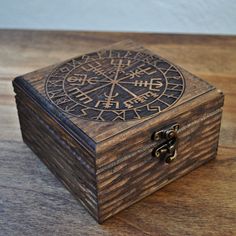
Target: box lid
column 105, row 93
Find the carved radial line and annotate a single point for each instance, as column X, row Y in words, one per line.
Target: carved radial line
column 127, row 76
column 118, row 69
column 128, row 91
column 110, row 93
column 127, row 82
column 102, row 86
column 93, row 79
column 103, row 81
column 113, row 84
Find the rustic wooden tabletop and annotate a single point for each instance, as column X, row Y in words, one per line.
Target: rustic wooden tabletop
column 34, row 202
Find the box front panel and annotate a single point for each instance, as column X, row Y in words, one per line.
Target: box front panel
column 139, row 174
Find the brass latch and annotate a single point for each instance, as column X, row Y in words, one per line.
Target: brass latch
column 167, row 144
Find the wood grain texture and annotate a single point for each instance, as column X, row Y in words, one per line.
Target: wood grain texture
column 198, row 204
column 62, row 139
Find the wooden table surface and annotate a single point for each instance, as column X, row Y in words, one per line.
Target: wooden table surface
column 34, row 202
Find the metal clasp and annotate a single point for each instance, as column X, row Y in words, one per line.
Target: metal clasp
column 167, row 140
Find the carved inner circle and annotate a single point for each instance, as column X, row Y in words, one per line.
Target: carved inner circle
column 114, row 84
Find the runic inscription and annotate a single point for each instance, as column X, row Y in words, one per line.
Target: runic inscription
column 114, row 85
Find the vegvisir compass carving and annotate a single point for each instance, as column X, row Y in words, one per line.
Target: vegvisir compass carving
column 115, row 85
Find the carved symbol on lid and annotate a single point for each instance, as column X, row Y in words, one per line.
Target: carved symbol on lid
column 114, row 85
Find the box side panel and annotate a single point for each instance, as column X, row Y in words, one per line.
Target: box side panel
column 140, row 174
column 89, row 157
column 38, row 78
column 62, row 156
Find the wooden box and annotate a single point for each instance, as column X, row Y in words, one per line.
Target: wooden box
column 117, row 124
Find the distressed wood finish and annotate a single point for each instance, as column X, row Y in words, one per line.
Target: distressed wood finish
column 70, row 162
column 122, row 95
column 160, row 214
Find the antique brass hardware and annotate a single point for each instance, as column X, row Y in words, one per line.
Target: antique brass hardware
column 167, row 139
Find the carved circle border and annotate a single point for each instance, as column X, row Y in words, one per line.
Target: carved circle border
column 94, row 59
